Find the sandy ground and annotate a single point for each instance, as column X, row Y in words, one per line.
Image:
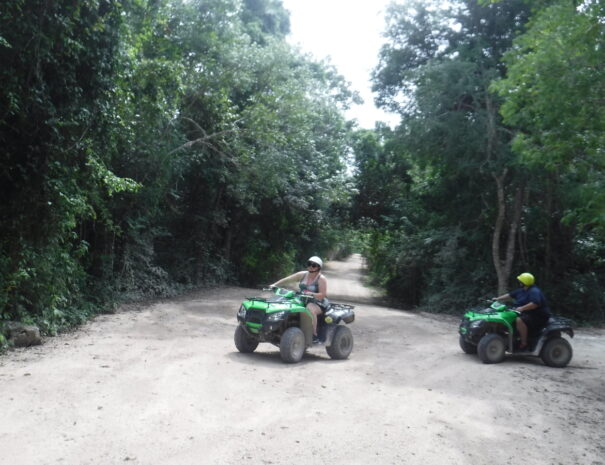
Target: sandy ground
column 164, row 384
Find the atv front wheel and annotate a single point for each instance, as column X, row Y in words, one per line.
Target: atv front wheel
column 292, row 345
column 491, row 348
column 557, row 352
column 342, row 343
column 243, row 341
column 467, row 347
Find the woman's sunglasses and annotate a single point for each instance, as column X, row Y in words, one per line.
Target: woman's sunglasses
column 312, row 265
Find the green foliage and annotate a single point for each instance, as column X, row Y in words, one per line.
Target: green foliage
column 554, row 82
column 555, row 77
column 153, row 146
column 428, row 186
column 56, row 79
column 427, row 198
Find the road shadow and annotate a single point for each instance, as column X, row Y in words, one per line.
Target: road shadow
column 273, row 358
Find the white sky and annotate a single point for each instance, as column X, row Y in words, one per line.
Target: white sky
column 349, row 33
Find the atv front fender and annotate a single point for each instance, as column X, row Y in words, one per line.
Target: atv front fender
column 330, row 330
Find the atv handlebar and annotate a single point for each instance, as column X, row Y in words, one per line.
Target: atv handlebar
column 510, row 308
column 278, row 291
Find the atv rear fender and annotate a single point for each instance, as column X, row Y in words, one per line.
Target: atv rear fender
column 556, row 325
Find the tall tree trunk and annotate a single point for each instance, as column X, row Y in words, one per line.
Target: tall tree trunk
column 512, row 232
column 504, row 265
column 228, row 243
column 502, row 279
column 491, row 127
column 548, row 242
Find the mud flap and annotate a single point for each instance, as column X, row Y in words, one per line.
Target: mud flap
column 329, row 329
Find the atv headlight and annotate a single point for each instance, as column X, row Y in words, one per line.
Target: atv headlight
column 476, row 324
column 241, row 313
column 277, row 316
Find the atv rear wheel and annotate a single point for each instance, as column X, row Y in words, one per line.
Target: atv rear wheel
column 557, row 352
column 342, row 343
column 243, row 341
column 292, row 345
column 491, row 348
column 467, row 347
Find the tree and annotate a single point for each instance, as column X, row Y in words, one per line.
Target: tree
column 436, row 71
column 58, row 63
column 554, row 82
column 552, row 90
column 151, row 146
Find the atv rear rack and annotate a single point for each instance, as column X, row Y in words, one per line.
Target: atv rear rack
column 336, row 306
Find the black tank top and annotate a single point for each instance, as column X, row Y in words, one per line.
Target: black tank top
column 313, row 287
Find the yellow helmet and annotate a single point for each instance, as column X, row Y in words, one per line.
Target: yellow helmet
column 526, row 278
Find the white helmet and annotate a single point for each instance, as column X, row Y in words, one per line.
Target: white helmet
column 317, row 260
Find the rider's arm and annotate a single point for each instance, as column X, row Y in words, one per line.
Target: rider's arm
column 292, row 277
column 528, row 306
column 503, row 297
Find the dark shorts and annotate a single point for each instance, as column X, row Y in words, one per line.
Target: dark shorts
column 535, row 321
column 324, row 304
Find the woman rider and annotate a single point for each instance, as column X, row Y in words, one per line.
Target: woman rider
column 313, row 283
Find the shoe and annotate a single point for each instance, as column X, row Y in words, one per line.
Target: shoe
column 316, row 340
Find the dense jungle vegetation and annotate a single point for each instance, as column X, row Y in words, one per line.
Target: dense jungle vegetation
column 498, row 164
column 152, row 146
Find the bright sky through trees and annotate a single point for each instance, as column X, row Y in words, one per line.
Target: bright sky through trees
column 349, row 32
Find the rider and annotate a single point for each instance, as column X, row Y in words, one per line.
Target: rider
column 531, row 303
column 311, row 282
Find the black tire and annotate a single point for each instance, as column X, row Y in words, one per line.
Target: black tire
column 292, row 345
column 342, row 343
column 557, row 352
column 243, row 341
column 491, row 348
column 467, row 347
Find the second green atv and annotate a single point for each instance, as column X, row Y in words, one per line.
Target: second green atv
column 283, row 320
column 491, row 334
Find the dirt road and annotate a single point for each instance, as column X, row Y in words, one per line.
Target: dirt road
column 165, row 385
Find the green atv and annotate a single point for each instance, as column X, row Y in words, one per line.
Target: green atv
column 283, row 320
column 491, row 333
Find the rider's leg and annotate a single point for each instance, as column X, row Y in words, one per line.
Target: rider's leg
column 315, row 310
column 522, row 328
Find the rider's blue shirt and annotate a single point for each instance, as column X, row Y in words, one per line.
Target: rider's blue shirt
column 532, row 294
